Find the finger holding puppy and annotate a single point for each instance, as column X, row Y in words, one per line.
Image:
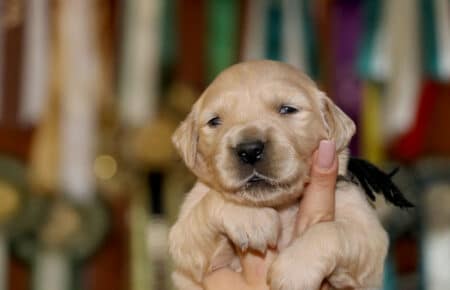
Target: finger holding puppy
column 318, row 202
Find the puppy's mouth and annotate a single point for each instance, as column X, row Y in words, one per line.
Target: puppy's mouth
column 258, row 180
column 255, row 179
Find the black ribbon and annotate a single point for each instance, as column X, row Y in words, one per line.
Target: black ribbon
column 374, row 180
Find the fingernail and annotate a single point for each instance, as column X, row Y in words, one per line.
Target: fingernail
column 326, row 155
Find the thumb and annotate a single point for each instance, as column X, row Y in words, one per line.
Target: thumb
column 255, row 266
column 317, row 204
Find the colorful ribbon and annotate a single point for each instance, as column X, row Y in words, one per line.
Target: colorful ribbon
column 274, row 27
column 80, row 81
column 222, row 35
column 347, row 87
column 293, row 38
column 311, row 50
column 372, row 145
column 402, row 89
column 139, row 73
column 412, row 144
column 255, row 30
column 191, row 27
column 13, row 29
column 35, row 83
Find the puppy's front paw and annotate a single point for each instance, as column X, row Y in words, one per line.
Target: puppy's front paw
column 308, row 261
column 254, row 228
column 292, row 272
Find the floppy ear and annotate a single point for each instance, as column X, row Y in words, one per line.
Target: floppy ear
column 339, row 126
column 185, row 139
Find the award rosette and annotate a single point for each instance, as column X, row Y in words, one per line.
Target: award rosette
column 69, row 234
column 20, row 210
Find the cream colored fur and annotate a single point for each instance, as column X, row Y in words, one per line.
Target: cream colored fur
column 222, row 215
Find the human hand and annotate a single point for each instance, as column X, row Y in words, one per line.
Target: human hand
column 317, row 205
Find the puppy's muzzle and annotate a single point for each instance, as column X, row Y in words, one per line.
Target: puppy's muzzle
column 250, row 152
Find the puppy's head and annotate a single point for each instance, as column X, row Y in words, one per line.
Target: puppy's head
column 252, row 133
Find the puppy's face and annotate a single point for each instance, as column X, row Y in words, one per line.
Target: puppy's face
column 252, row 133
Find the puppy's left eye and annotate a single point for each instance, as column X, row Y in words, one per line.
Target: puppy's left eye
column 285, row 109
column 214, row 122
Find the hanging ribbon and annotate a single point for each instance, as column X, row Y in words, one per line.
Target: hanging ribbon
column 435, row 246
column 436, row 38
column 347, row 86
column 222, row 36
column 254, row 41
column 51, row 271
column 274, row 27
column 370, row 42
column 35, row 64
column 322, row 10
column 402, row 89
column 80, row 79
column 191, row 27
column 12, row 22
column 371, row 130
column 442, row 8
column 293, row 38
column 310, row 47
column 412, row 144
column 437, row 143
column 169, row 43
column 142, row 272
column 139, row 76
column 429, row 35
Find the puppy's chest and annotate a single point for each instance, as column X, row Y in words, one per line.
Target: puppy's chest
column 288, row 216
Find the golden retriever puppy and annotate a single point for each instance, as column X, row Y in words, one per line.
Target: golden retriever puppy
column 250, row 139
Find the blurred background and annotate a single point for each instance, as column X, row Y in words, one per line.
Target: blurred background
column 91, row 90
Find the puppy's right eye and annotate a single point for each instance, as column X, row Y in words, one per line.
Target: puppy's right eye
column 214, row 122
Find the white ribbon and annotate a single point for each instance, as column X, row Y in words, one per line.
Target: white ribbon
column 139, row 61
column 79, row 96
column 35, row 87
column 51, row 271
column 436, row 241
column 255, row 30
column 142, row 272
column 442, row 12
column 404, row 74
column 293, row 34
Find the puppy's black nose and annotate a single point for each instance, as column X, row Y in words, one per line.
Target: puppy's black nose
column 250, row 152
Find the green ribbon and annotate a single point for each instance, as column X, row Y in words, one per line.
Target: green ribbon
column 273, row 30
column 371, row 18
column 429, row 39
column 311, row 46
column 169, row 44
column 222, row 35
